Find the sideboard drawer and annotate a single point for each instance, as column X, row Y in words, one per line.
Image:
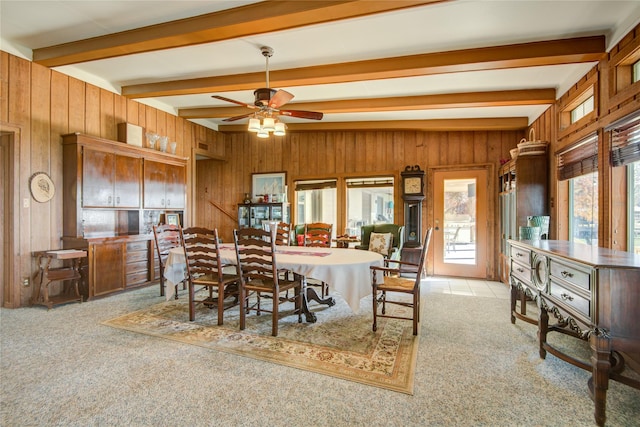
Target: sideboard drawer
column 571, row 274
column 522, row 272
column 521, row 255
column 578, row 302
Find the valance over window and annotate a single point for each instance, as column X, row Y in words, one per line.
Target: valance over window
column 578, row 159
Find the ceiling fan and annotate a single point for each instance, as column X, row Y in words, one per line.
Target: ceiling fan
column 268, row 101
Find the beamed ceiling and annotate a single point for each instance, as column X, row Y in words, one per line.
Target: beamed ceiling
column 431, row 65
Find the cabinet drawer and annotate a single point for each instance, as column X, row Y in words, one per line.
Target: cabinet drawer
column 137, row 246
column 137, row 256
column 571, row 274
column 521, row 271
column 521, row 255
column 137, row 277
column 583, row 305
column 137, row 266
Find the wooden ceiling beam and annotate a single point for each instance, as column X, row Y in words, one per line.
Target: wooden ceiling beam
column 551, row 52
column 258, row 18
column 404, row 103
column 472, row 124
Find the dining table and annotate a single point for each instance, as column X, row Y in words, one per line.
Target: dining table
column 346, row 271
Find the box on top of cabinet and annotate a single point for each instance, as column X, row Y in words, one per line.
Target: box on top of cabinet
column 130, row 133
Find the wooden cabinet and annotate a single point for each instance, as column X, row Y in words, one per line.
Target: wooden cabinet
column 164, row 185
column 106, row 267
column 589, row 293
column 255, row 214
column 110, row 180
column 523, row 184
column 113, row 193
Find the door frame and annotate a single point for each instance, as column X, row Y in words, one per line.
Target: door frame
column 11, row 289
column 489, row 247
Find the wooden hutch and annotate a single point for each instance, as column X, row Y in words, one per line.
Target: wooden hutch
column 113, row 195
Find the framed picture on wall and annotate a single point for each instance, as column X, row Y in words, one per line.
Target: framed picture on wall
column 173, row 219
column 268, row 184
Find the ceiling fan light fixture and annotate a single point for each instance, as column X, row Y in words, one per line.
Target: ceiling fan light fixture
column 254, row 125
column 279, row 129
column 262, row 133
column 268, row 124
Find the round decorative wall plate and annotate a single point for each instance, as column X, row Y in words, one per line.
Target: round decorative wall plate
column 42, row 188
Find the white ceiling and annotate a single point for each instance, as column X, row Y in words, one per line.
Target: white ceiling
column 453, row 25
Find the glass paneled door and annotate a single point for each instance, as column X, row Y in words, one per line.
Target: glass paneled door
column 460, row 223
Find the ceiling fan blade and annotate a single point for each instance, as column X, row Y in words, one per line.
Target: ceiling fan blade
column 280, row 98
column 234, row 101
column 313, row 115
column 234, row 118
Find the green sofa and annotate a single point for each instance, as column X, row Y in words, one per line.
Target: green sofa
column 396, row 230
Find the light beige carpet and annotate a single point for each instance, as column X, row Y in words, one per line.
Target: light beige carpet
column 340, row 344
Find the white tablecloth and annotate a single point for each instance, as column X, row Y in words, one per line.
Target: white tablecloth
column 346, row 271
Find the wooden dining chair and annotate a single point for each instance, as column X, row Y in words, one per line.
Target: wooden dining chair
column 205, row 268
column 318, row 234
column 259, row 274
column 166, row 237
column 283, row 234
column 396, row 282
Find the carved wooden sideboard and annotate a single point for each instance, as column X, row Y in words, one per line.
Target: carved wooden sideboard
column 593, row 294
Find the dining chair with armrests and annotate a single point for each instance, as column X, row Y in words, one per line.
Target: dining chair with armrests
column 259, row 274
column 394, row 281
column 166, row 237
column 318, row 234
column 205, row 268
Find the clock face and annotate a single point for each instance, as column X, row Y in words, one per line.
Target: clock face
column 412, row 185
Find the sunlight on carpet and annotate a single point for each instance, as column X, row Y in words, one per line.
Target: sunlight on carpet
column 340, row 344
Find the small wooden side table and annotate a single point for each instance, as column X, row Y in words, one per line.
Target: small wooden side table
column 69, row 273
column 343, row 242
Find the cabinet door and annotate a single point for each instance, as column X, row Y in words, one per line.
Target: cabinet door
column 107, row 267
column 243, row 216
column 98, row 178
column 154, row 185
column 175, row 187
column 127, row 185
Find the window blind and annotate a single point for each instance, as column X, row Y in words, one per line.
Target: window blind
column 382, row 181
column 579, row 159
column 625, row 142
column 315, row 185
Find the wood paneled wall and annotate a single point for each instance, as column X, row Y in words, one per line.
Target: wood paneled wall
column 37, row 106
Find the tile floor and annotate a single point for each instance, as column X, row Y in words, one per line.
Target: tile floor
column 469, row 287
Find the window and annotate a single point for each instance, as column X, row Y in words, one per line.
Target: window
column 635, row 71
column 369, row 201
column 579, row 165
column 633, row 214
column 582, row 109
column 583, row 209
column 316, row 202
column 625, row 151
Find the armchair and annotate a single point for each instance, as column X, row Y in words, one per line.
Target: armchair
column 396, row 230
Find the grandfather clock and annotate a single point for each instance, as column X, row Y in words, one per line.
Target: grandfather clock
column 413, row 193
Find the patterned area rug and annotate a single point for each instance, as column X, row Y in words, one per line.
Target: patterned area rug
column 340, row 344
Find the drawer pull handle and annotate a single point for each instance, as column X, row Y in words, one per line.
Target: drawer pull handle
column 520, row 270
column 566, row 297
column 519, row 254
column 566, row 274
